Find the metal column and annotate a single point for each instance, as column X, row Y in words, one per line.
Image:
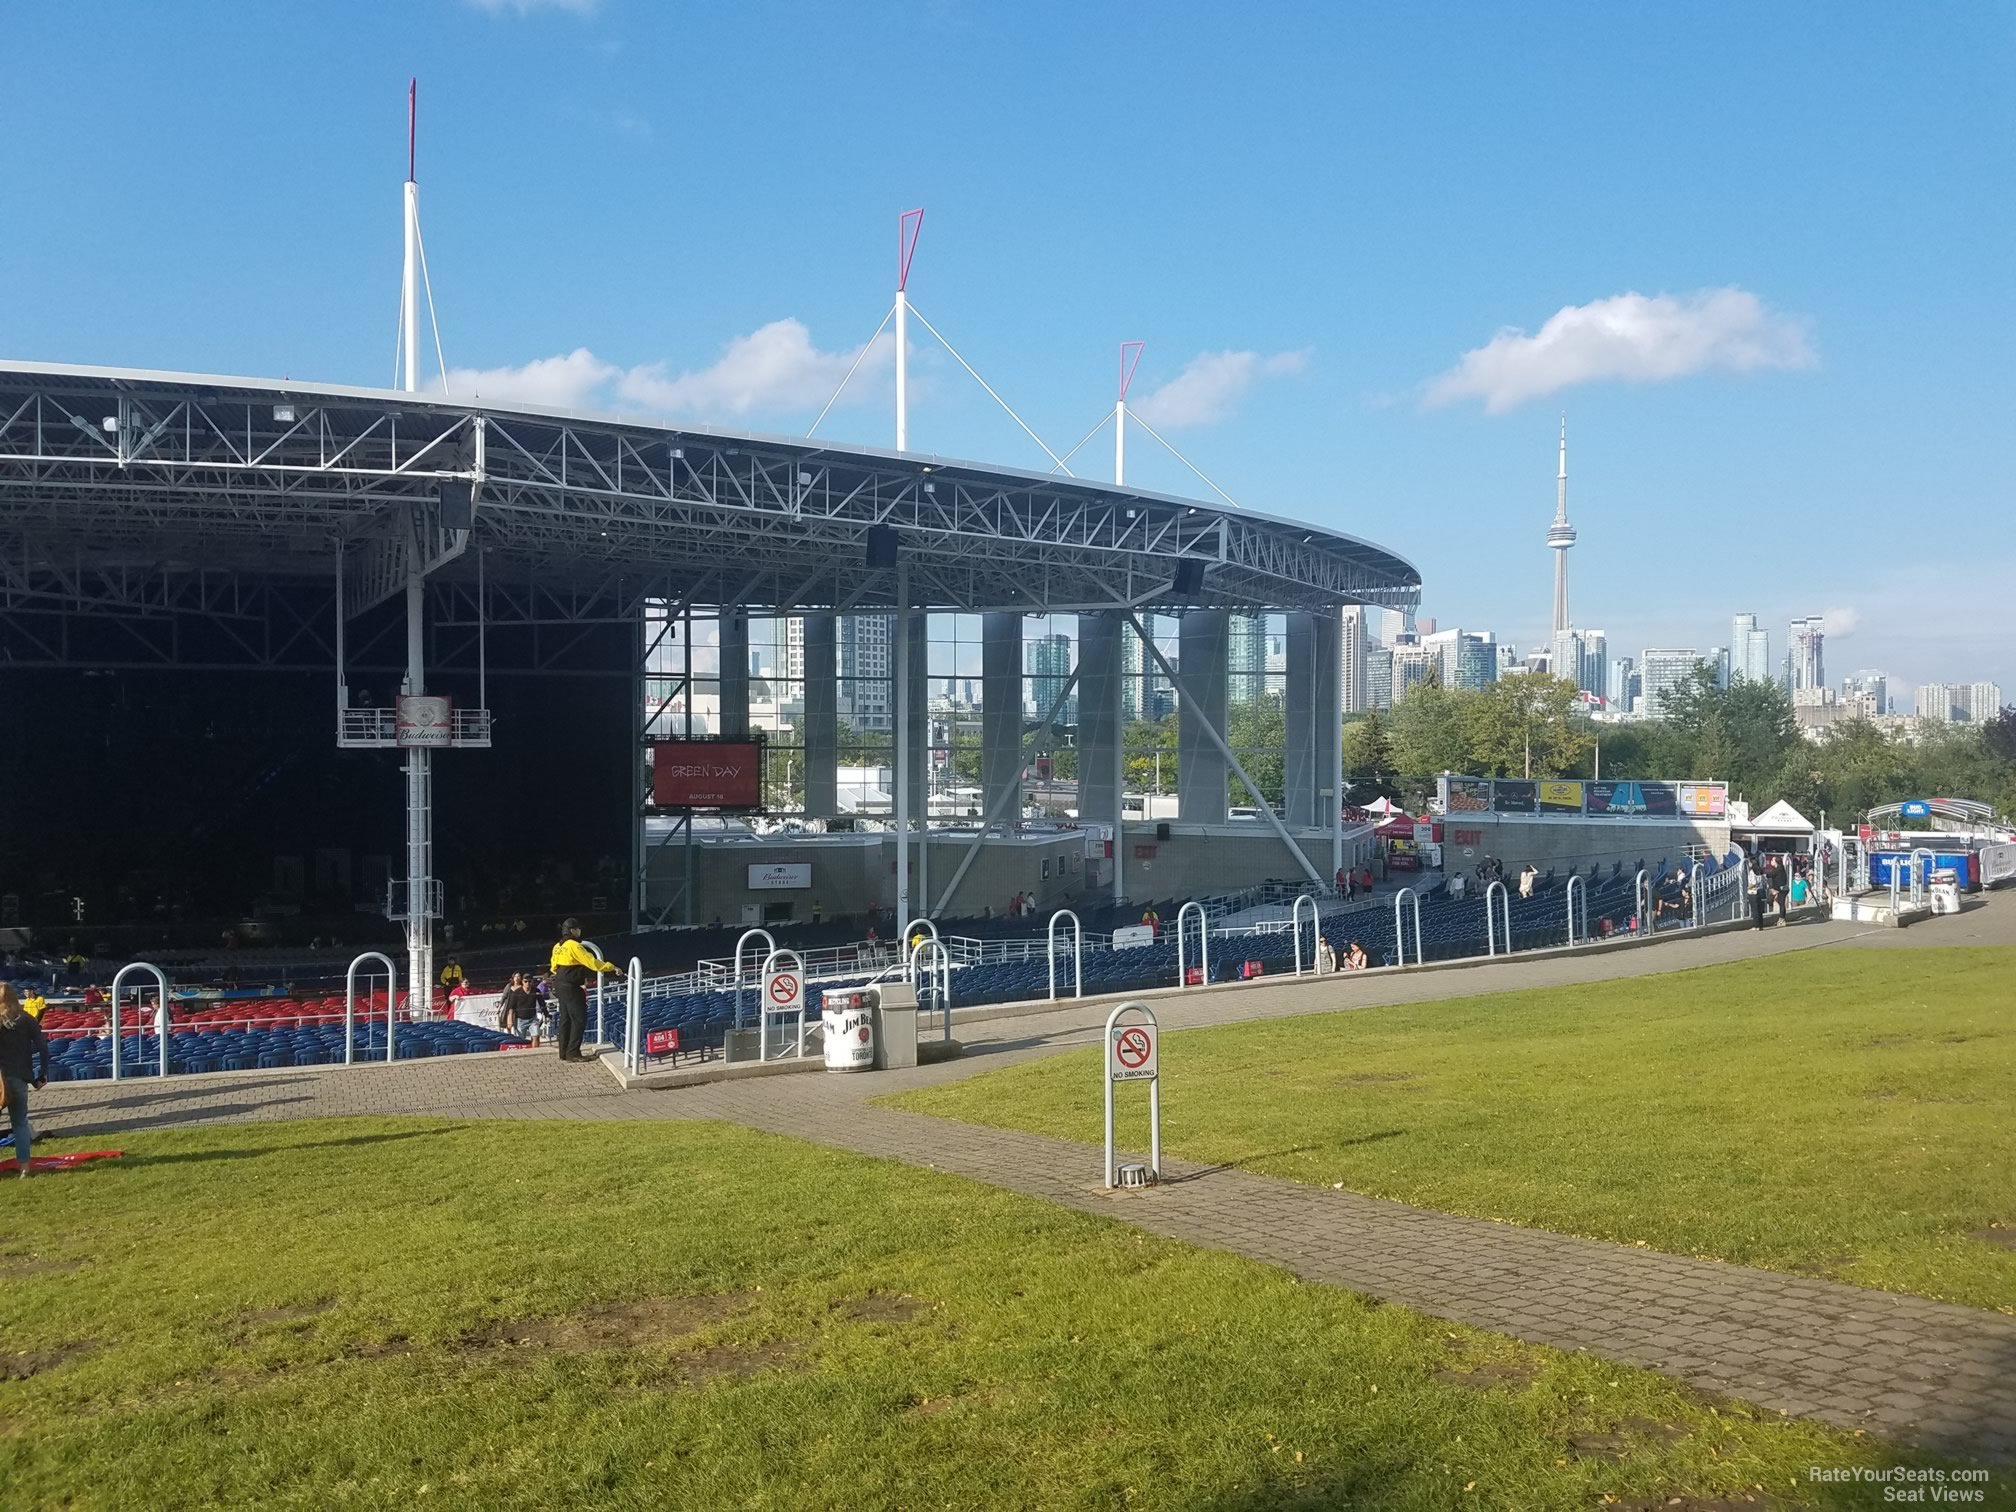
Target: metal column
column 1204, row 646
column 822, row 727
column 734, row 625
column 1001, row 716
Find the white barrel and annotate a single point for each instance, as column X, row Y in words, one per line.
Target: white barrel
column 850, row 1032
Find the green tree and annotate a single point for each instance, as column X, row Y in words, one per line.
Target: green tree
column 1151, row 747
column 1530, row 721
column 1257, row 731
column 1368, row 746
column 1428, row 731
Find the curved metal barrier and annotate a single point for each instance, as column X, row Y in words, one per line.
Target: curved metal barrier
column 633, row 1015
column 1491, row 917
column 1315, row 929
column 1641, row 900
column 940, row 966
column 161, row 983
column 1697, row 876
column 1400, row 934
column 770, row 941
column 1575, row 882
column 1077, row 953
column 350, row 1003
column 1921, row 877
column 1203, row 945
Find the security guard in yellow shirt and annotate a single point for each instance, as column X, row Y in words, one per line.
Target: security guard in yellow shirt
column 573, row 964
column 33, row 1003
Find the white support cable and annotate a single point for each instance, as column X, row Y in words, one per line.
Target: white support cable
column 994, row 396
column 866, row 348
column 398, row 338
column 1103, row 419
column 1184, row 460
column 433, row 316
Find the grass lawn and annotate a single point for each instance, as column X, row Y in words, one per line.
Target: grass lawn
column 417, row 1314
column 1841, row 1113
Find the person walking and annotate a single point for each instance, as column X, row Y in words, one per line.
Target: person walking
column 514, row 1005
column 1775, row 876
column 24, row 1063
column 1760, row 896
column 572, row 965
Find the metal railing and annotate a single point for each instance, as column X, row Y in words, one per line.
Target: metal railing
column 1491, row 917
column 161, row 1011
column 1575, row 882
column 1077, row 953
column 1315, row 930
column 1400, row 933
column 350, row 1003
column 920, row 973
column 1203, row 945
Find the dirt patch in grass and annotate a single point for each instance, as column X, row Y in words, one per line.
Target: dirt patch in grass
column 735, row 1361
column 881, row 1307
column 608, row 1325
column 382, row 1349
column 31, row 1265
column 1823, row 1265
column 2001, row 1235
column 1375, row 1078
column 21, row 1364
column 1742, row 1501
column 1485, row 1377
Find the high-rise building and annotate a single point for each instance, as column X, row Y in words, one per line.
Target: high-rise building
column 1246, row 658
column 1719, row 664
column 1808, row 665
column 1661, row 670
column 1508, row 659
column 1959, row 703
column 1351, row 648
column 1561, row 536
column 1049, row 670
column 1411, row 663
column 1867, row 694
column 866, row 642
column 1378, row 677
column 1594, row 668
column 1617, row 687
column 1749, row 649
column 1476, row 660
column 1132, row 687
column 1564, row 655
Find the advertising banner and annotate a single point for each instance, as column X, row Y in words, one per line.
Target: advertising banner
column 780, row 874
column 1561, row 798
column 1998, row 863
column 1466, row 795
column 1514, row 797
column 709, row 774
column 425, row 720
column 1615, row 800
column 1703, row 800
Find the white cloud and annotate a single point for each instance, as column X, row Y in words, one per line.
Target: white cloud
column 526, row 7
column 575, row 381
column 774, row 369
column 1627, row 337
column 1839, row 623
column 1211, row 383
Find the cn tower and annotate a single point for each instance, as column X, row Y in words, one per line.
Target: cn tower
column 1560, row 536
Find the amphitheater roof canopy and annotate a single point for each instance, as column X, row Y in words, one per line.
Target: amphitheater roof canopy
column 112, row 479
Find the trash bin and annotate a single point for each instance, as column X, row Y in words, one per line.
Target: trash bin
column 1946, row 891
column 849, row 1018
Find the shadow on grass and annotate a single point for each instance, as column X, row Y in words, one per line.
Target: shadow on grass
column 352, row 1141
column 1301, row 1149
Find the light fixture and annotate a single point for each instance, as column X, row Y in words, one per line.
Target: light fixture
column 931, row 488
column 678, row 453
column 110, row 422
column 284, row 413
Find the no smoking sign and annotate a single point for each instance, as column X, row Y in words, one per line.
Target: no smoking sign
column 785, row 991
column 1130, row 1053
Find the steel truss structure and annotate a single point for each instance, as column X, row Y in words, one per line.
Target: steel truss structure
column 163, row 499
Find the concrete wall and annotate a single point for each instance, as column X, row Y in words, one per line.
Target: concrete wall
column 1565, row 843
column 1197, row 862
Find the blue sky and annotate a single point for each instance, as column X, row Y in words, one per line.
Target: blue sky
column 1310, row 214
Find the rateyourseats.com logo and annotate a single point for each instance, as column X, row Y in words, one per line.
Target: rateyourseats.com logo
column 1906, row 1485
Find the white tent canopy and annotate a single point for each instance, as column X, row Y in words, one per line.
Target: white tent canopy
column 1781, row 819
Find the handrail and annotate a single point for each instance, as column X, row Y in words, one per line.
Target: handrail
column 1641, row 900
column 1921, row 881
column 943, row 964
column 747, row 935
column 350, row 1003
column 1696, row 876
column 161, row 982
column 1491, row 919
column 1575, row 881
column 601, row 1027
column 1203, row 946
column 1400, row 933
column 1077, row 953
column 633, row 1014
column 763, row 1009
column 1315, row 928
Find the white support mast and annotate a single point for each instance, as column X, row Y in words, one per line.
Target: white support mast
column 1130, row 358
column 1561, row 536
column 909, row 226
column 419, row 783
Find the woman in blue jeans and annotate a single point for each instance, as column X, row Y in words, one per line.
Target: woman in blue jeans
column 24, row 1063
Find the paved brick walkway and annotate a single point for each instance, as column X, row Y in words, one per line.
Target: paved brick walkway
column 1939, row 1375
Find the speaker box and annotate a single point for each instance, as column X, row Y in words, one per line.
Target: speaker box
column 458, row 504
column 1162, row 830
column 1190, row 575
column 881, row 546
